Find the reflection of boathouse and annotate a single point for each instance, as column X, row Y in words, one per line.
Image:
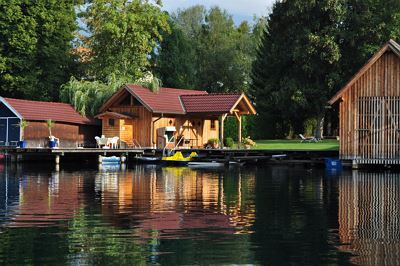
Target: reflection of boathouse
column 369, row 217
column 176, row 198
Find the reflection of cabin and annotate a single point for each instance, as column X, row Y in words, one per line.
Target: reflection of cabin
column 370, row 110
column 70, row 127
column 169, row 117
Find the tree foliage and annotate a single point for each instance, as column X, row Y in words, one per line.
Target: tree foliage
column 207, row 51
column 35, row 45
column 122, row 35
column 88, row 96
column 296, row 70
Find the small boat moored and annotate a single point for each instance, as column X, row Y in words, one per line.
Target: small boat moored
column 111, row 160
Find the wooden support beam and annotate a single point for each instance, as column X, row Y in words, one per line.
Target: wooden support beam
column 221, row 129
column 239, row 118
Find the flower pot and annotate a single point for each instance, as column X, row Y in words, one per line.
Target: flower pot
column 52, row 144
column 22, row 144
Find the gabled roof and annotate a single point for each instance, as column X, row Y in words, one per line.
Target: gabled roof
column 166, row 100
column 42, row 111
column 217, row 103
column 181, row 101
column 391, row 45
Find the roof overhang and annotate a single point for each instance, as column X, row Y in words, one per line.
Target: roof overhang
column 243, row 100
column 114, row 115
column 11, row 108
column 116, row 96
column 389, row 46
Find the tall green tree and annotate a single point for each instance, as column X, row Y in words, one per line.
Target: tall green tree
column 296, row 69
column 367, row 26
column 35, row 47
column 122, row 35
column 207, row 51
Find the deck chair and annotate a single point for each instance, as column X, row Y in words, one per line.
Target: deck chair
column 309, row 139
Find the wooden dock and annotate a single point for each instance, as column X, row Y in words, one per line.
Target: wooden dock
column 219, row 155
column 18, row 154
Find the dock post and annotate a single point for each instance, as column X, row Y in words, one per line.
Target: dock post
column 57, row 159
column 13, row 158
column 355, row 164
column 100, row 159
column 123, row 158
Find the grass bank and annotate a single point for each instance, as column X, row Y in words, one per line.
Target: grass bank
column 282, row 144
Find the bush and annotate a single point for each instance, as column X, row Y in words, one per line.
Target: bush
column 228, row 142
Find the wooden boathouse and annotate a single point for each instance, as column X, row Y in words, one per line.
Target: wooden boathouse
column 70, row 127
column 170, row 117
column 369, row 106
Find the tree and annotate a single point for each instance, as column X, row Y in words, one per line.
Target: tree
column 35, row 47
column 367, row 26
column 122, row 35
column 296, row 69
column 88, row 96
column 206, row 51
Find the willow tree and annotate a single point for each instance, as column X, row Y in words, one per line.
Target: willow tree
column 88, row 96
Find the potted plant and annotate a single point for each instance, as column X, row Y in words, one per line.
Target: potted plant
column 248, row 142
column 213, row 143
column 52, row 140
column 22, row 125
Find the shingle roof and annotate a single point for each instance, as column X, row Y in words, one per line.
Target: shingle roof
column 210, row 103
column 41, row 111
column 166, row 100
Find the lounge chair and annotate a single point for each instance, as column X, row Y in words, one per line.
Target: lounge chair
column 309, row 139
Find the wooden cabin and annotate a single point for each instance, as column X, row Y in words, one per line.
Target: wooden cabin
column 70, row 127
column 369, row 104
column 169, row 117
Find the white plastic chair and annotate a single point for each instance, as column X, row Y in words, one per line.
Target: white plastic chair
column 113, row 142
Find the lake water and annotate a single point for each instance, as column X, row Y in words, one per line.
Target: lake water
column 272, row 215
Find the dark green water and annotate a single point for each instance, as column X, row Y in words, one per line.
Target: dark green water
column 273, row 215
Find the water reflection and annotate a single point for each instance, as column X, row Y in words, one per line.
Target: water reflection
column 369, row 217
column 147, row 214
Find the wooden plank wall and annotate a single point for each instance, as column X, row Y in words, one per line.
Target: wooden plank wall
column 141, row 124
column 69, row 134
column 380, row 83
column 197, row 129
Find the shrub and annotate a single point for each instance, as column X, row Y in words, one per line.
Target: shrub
column 228, row 142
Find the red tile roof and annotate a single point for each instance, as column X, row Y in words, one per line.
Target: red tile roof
column 210, row 103
column 166, row 100
column 41, row 111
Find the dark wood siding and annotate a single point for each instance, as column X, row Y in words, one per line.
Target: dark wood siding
column 70, row 135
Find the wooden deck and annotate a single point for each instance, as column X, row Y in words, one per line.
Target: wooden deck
column 220, row 155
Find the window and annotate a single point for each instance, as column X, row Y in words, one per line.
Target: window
column 212, row 125
column 111, row 122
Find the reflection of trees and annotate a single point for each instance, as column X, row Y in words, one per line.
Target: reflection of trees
column 369, row 217
column 293, row 224
column 94, row 242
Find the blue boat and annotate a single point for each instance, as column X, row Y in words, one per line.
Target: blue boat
column 111, row 160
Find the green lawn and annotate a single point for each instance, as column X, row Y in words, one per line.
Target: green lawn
column 282, row 144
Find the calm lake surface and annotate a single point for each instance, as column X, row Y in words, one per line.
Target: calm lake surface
column 272, row 215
